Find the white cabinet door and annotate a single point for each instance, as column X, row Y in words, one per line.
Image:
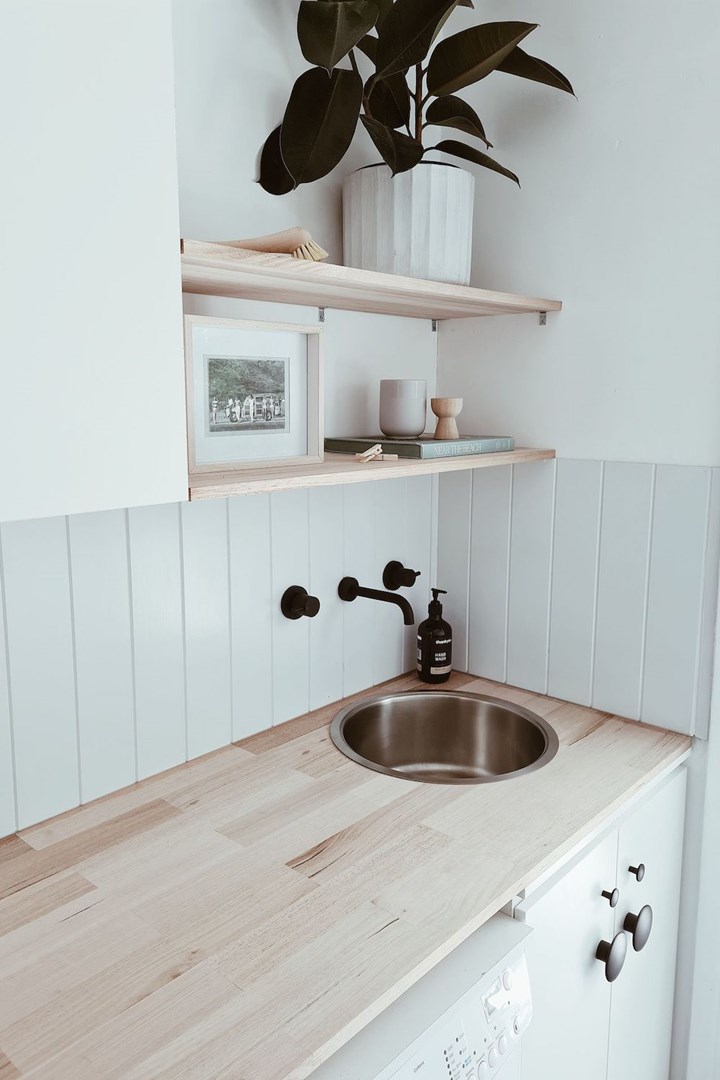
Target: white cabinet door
column 568, row 1036
column 92, row 413
column 642, row 997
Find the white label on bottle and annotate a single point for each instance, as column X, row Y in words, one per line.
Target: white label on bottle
column 441, row 670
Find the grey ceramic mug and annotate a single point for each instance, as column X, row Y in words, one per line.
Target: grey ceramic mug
column 403, row 407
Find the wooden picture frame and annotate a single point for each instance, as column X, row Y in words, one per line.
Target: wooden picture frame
column 254, row 394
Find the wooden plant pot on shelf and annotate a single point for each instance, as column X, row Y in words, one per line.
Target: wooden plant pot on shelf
column 417, row 224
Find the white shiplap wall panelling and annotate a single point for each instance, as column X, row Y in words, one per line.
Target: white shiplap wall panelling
column 41, row 665
column 158, row 637
column 454, row 509
column 531, row 539
column 207, row 625
column 326, row 526
column 359, row 616
column 291, row 638
column 490, row 525
column 627, row 584
column 103, row 651
column 388, row 639
column 710, row 593
column 675, row 595
column 418, row 550
column 252, row 613
column 622, row 586
column 574, row 578
column 8, row 822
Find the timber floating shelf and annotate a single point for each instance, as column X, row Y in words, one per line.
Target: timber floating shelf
column 218, row 270
column 344, row 469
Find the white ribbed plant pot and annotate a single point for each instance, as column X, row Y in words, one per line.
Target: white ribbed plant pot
column 418, row 223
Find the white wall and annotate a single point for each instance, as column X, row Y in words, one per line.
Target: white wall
column 619, row 217
column 92, row 403
column 235, row 67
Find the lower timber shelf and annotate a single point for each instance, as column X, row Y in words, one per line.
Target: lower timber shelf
column 344, row 469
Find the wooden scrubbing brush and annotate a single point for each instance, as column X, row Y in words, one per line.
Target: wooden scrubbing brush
column 296, row 242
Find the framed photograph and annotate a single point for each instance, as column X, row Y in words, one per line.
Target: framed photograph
column 254, row 394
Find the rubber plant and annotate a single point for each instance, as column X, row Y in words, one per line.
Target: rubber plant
column 410, row 84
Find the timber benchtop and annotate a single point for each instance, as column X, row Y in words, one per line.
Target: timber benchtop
column 244, row 915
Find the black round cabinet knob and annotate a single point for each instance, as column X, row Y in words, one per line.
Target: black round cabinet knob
column 639, row 926
column 296, row 602
column 612, row 897
column 613, row 954
column 638, row 871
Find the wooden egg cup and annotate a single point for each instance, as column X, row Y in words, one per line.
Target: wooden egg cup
column 446, row 409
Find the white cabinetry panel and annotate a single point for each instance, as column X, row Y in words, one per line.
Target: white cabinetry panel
column 574, row 577
column 529, row 580
column 158, row 637
column 642, row 997
column 252, row 614
column 92, row 401
column 291, row 638
column 207, row 625
column 569, row 1034
column 103, row 651
column 42, row 669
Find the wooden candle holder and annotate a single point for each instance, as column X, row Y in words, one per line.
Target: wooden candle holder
column 446, row 409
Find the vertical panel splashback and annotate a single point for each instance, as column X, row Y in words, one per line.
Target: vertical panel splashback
column 592, row 581
column 134, row 640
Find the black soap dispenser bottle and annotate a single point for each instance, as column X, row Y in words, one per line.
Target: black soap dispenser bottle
column 434, row 644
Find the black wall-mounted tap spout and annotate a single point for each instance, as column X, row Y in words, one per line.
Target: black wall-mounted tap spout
column 349, row 589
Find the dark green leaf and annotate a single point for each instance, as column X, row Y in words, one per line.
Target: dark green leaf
column 328, row 31
column 398, row 151
column 453, row 112
column 407, row 32
column 274, row 177
column 469, row 153
column 384, row 7
column 389, row 100
column 446, row 16
column 319, row 122
column 531, row 67
column 368, row 45
column 472, row 54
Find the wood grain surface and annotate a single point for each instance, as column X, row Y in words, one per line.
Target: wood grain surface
column 219, row 270
column 244, row 915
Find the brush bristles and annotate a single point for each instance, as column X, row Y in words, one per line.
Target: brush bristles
column 311, row 251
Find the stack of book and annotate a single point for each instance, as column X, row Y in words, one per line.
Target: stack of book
column 423, row 447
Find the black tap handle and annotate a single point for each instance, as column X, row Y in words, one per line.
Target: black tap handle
column 396, row 576
column 296, row 602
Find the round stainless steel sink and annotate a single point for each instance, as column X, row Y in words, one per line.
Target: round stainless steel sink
column 444, row 737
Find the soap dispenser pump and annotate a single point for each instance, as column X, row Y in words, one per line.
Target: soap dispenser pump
column 434, row 644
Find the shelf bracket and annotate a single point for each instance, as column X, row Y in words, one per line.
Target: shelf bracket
column 542, row 318
column 321, row 314
column 433, row 323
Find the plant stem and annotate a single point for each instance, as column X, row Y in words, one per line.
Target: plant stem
column 418, row 98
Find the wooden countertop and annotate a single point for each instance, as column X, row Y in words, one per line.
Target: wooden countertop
column 243, row 916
